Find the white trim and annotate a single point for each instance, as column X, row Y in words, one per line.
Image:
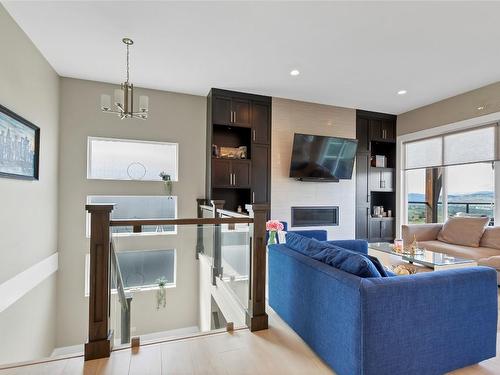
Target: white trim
column 497, row 194
column 401, row 195
column 16, row 287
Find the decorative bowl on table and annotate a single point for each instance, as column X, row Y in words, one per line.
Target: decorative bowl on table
column 403, row 269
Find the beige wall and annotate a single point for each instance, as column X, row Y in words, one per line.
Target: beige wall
column 289, row 117
column 451, row 110
column 173, row 118
column 28, row 217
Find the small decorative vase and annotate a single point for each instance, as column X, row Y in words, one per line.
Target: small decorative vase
column 272, row 238
column 167, row 184
column 161, row 297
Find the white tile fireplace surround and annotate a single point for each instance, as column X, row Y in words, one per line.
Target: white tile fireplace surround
column 289, row 117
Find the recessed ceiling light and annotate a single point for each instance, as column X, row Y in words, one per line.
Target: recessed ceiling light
column 402, row 92
column 480, row 108
column 294, row 73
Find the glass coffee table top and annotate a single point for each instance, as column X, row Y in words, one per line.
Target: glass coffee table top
column 424, row 257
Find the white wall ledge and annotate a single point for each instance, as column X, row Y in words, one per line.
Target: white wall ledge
column 16, row 287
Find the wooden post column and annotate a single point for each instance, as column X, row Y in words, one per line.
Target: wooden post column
column 200, row 248
column 100, row 340
column 256, row 318
column 217, row 265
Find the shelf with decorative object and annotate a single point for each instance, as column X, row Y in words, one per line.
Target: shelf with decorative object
column 375, row 175
column 238, row 148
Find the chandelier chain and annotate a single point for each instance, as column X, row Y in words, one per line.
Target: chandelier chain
column 127, row 63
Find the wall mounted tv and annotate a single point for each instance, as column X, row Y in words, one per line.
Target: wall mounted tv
column 320, row 158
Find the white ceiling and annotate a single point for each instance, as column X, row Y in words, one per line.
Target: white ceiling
column 356, row 54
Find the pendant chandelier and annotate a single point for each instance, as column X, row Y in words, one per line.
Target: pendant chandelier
column 124, row 97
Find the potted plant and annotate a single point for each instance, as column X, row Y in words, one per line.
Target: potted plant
column 161, row 293
column 167, row 183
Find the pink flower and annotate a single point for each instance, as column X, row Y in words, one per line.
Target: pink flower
column 274, row 226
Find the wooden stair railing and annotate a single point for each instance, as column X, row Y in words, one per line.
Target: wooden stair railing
column 100, row 336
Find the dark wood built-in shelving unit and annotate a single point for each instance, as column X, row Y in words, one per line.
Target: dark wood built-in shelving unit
column 375, row 186
column 237, row 119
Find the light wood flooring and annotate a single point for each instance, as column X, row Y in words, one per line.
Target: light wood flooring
column 275, row 351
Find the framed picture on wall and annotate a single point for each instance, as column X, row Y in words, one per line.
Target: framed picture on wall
column 19, row 146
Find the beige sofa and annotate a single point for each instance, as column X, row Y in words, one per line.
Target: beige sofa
column 486, row 254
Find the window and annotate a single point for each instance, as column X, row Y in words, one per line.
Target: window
column 143, row 268
column 139, row 207
column 471, row 189
column 121, row 159
column 424, row 201
column 452, row 174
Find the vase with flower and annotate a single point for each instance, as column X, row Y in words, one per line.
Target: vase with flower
column 273, row 226
column 167, row 183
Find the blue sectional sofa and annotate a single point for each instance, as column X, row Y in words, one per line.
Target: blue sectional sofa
column 423, row 324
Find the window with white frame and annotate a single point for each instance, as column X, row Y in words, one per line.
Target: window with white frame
column 145, row 268
column 138, row 207
column 452, row 174
column 142, row 269
column 125, row 159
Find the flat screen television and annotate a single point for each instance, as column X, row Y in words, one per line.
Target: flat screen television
column 321, row 158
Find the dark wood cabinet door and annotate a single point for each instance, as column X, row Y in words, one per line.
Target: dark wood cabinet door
column 241, row 113
column 362, row 195
column 388, row 130
column 240, row 170
column 362, row 214
column 261, row 155
column 382, row 130
column 363, row 135
column 387, row 230
column 261, row 122
column 221, row 173
column 374, row 233
column 375, row 129
column 221, row 110
column 362, row 167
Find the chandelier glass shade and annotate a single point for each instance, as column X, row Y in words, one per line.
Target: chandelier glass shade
column 123, row 99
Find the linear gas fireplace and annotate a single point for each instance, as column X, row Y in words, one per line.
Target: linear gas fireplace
column 315, row 216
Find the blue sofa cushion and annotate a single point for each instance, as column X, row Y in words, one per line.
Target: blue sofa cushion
column 380, row 268
column 304, row 245
column 347, row 260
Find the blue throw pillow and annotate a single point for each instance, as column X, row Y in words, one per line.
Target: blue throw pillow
column 304, row 245
column 347, row 260
column 380, row 268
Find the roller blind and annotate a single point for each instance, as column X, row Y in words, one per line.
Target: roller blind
column 470, row 146
column 425, row 153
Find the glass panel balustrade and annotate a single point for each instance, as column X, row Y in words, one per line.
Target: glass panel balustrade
column 180, row 285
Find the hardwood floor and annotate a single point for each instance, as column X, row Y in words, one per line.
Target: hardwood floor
column 275, row 351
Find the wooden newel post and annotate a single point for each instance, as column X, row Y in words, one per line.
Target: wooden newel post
column 100, row 340
column 256, row 318
column 217, row 265
column 200, row 247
